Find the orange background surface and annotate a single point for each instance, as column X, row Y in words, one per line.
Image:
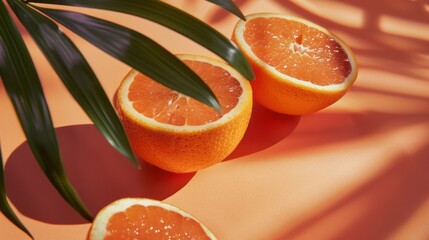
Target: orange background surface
column 356, row 170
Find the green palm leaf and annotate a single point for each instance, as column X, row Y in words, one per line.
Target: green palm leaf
column 177, row 20
column 4, row 204
column 22, row 84
column 76, row 75
column 138, row 51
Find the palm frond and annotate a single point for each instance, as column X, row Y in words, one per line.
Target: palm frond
column 177, row 20
column 138, row 51
column 23, row 86
column 76, row 75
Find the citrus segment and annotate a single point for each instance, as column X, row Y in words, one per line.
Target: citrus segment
column 141, row 218
column 299, row 66
column 180, row 134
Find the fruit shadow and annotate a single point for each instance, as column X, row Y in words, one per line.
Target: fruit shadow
column 99, row 173
column 265, row 129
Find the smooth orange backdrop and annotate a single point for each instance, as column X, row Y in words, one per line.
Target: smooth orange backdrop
column 356, row 170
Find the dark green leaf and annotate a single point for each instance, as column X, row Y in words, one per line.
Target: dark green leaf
column 76, row 74
column 138, row 51
column 4, row 204
column 177, row 20
column 230, row 6
column 22, row 84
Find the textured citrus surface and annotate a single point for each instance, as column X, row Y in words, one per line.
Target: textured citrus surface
column 180, row 134
column 300, row 67
column 140, row 218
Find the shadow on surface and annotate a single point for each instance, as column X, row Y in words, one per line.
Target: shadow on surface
column 265, row 129
column 101, row 175
column 329, row 129
column 98, row 172
column 385, row 203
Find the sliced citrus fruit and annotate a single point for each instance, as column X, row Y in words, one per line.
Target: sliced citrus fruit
column 299, row 67
column 142, row 218
column 178, row 133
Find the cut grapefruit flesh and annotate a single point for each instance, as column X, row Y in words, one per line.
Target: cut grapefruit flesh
column 142, row 218
column 167, row 106
column 300, row 67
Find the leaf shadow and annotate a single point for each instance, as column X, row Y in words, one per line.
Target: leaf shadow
column 391, row 197
column 98, row 172
column 379, row 48
column 387, row 201
column 330, row 128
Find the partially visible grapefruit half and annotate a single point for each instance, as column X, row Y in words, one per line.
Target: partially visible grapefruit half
column 143, row 219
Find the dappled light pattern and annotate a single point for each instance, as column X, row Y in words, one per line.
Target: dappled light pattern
column 388, row 35
column 379, row 130
column 356, row 170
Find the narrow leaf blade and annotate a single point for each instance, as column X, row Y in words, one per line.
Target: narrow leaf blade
column 76, row 75
column 22, row 84
column 138, row 51
column 230, row 6
column 177, row 20
column 5, row 207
